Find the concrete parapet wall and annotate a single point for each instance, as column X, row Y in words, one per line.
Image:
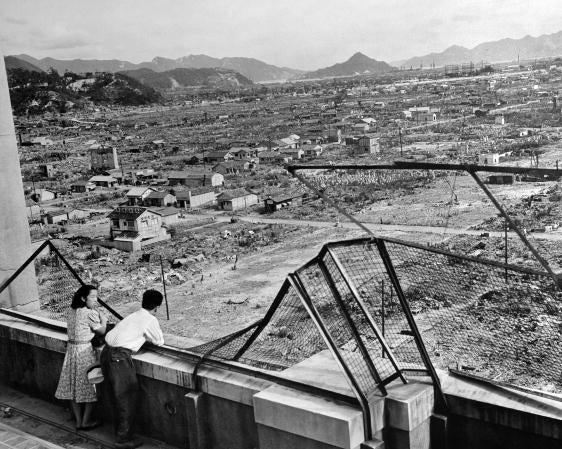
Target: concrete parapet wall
column 240, row 411
column 489, row 416
column 307, row 418
column 221, row 414
column 31, row 359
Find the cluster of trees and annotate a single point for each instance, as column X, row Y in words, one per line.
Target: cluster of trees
column 34, row 92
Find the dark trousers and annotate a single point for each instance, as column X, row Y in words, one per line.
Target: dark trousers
column 121, row 377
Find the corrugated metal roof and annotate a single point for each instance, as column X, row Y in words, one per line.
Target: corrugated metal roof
column 101, row 178
column 127, row 212
column 158, row 195
column 138, row 191
column 164, row 211
column 231, row 194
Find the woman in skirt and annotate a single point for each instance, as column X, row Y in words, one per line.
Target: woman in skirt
column 83, row 322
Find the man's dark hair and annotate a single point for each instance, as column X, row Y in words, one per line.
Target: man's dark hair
column 151, row 299
column 79, row 298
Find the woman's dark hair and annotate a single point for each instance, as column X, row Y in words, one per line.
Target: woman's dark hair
column 79, row 298
column 151, row 299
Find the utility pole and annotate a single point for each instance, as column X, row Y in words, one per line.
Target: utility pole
column 164, row 287
column 400, row 137
column 506, row 227
column 122, row 170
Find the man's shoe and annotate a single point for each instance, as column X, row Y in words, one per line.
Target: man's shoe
column 131, row 444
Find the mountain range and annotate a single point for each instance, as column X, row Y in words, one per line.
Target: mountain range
column 252, row 69
column 157, row 73
column 548, row 45
column 503, row 50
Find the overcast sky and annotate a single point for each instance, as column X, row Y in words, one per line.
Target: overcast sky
column 302, row 34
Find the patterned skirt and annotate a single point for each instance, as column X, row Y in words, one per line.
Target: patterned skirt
column 73, row 382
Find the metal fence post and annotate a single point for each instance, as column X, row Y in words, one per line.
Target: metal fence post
column 352, row 327
column 317, row 320
column 440, row 400
column 265, row 320
column 367, row 315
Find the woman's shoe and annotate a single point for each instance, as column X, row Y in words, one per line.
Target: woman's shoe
column 131, row 444
column 90, row 426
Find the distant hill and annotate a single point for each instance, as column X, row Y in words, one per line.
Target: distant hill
column 15, row 63
column 252, row 69
column 358, row 64
column 504, row 50
column 217, row 78
column 33, row 92
column 79, row 65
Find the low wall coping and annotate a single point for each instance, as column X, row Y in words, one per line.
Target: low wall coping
column 309, row 416
column 168, row 368
column 503, row 406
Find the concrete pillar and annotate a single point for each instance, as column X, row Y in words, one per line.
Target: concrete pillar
column 288, row 419
column 15, row 243
column 408, row 411
column 197, row 432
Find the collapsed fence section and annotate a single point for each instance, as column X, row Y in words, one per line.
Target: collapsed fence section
column 285, row 336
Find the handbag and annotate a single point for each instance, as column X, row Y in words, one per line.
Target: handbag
column 99, row 340
column 95, row 374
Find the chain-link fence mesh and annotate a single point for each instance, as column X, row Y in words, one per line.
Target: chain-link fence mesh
column 365, row 330
column 289, row 337
column 56, row 284
column 366, row 271
column 325, row 300
column 499, row 322
column 286, row 336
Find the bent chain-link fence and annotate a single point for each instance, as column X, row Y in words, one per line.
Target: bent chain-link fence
column 501, row 322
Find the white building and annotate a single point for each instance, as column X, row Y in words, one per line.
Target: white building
column 489, row 159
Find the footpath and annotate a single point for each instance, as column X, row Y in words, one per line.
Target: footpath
column 30, row 423
column 12, row 438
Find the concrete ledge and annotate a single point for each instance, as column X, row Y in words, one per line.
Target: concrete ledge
column 270, row 438
column 373, row 444
column 33, row 334
column 231, row 385
column 501, row 406
column 312, row 417
column 165, row 368
column 321, row 370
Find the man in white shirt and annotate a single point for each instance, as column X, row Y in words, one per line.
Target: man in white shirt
column 122, row 341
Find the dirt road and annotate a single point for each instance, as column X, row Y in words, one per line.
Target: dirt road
column 378, row 229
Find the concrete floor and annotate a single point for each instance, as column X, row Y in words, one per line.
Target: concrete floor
column 38, row 424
